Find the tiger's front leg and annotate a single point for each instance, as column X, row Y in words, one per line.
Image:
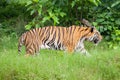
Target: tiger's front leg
column 70, row 48
column 85, row 52
column 81, row 49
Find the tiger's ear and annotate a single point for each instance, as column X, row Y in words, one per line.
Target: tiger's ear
column 92, row 29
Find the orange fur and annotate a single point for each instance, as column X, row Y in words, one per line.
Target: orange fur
column 63, row 38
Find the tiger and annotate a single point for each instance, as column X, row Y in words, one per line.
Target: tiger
column 70, row 39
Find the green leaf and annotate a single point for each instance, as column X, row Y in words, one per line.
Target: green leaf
column 107, row 37
column 45, row 19
column 62, row 14
column 99, row 20
column 101, row 29
column 95, row 23
column 32, row 12
column 79, row 8
column 39, row 11
column 28, row 3
column 55, row 19
column 102, row 15
column 35, row 1
column 27, row 27
column 37, row 25
column 50, row 14
column 117, row 32
column 109, row 27
column 30, row 8
column 115, row 4
column 105, row 28
column 73, row 4
column 112, row 19
column 96, row 2
column 117, row 22
column 118, row 38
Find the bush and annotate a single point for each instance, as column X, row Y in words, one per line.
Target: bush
column 54, row 12
column 15, row 14
column 107, row 21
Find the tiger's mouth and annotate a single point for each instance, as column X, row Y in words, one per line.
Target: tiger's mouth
column 96, row 41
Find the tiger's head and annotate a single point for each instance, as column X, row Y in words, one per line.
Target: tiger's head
column 94, row 36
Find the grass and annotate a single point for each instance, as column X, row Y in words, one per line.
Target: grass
column 104, row 64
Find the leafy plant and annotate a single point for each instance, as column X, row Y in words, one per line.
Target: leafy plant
column 104, row 14
column 107, row 21
column 43, row 11
column 51, row 12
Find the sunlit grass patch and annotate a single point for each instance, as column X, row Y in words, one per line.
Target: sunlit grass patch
column 104, row 64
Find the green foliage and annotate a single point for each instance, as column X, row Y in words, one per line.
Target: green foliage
column 107, row 20
column 51, row 12
column 104, row 14
column 16, row 1
column 12, row 26
column 43, row 12
column 13, row 18
column 115, row 37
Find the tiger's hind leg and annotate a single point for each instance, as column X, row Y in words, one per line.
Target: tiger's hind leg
column 33, row 49
column 29, row 51
column 37, row 52
column 37, row 49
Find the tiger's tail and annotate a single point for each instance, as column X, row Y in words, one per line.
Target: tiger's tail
column 20, row 43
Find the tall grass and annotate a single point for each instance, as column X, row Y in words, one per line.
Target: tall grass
column 104, row 64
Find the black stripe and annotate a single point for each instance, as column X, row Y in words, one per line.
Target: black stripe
column 34, row 31
column 79, row 28
column 67, row 29
column 46, row 30
column 73, row 32
column 63, row 31
column 47, row 36
column 59, row 46
column 43, row 40
column 39, row 31
column 58, row 35
column 52, row 30
column 24, row 36
column 86, row 28
column 53, row 39
column 70, row 29
column 42, row 31
column 85, row 34
column 74, row 29
column 46, row 33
